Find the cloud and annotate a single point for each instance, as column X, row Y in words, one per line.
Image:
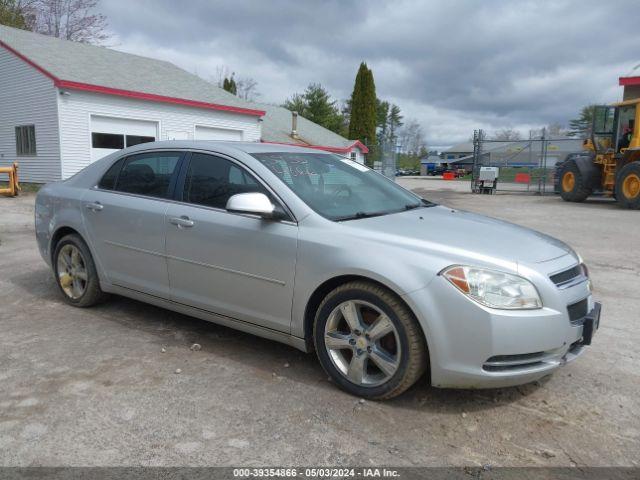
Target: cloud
column 454, row 66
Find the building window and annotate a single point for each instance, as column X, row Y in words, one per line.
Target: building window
column 117, row 141
column 107, row 140
column 26, row 140
column 354, row 156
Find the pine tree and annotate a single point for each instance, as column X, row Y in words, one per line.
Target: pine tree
column 11, row 15
column 229, row 84
column 580, row 127
column 315, row 104
column 395, row 122
column 362, row 125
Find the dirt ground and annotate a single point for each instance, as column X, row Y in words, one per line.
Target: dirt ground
column 95, row 388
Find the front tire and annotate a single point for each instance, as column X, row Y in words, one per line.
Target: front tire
column 628, row 186
column 75, row 272
column 574, row 187
column 368, row 341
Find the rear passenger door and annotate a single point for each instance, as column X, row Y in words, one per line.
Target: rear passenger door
column 124, row 215
column 237, row 265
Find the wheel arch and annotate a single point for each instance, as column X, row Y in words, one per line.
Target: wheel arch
column 58, row 234
column 327, row 286
column 588, row 168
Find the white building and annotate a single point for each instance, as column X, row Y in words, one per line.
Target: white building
column 65, row 104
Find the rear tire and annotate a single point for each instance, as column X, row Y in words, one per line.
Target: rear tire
column 628, row 186
column 75, row 272
column 375, row 363
column 574, row 187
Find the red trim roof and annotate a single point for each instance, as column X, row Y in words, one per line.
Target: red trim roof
column 357, row 143
column 131, row 94
column 629, row 80
column 154, row 98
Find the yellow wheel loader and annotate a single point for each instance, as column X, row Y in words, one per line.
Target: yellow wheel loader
column 610, row 161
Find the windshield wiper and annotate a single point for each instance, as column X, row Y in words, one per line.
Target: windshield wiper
column 361, row 215
column 423, row 203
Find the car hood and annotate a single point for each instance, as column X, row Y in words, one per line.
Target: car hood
column 467, row 234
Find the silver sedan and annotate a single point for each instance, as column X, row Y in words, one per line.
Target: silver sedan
column 319, row 252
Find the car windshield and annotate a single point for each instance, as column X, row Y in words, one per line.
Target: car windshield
column 338, row 188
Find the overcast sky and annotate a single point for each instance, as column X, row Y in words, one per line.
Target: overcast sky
column 452, row 65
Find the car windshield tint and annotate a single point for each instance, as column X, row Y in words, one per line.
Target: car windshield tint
column 338, row 188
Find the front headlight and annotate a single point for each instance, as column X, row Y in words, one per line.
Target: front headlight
column 493, row 289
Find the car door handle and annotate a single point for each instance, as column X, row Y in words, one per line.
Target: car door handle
column 182, row 222
column 95, row 206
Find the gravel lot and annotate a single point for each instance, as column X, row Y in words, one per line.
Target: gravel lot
column 94, row 387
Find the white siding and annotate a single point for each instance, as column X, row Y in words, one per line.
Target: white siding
column 359, row 155
column 27, row 97
column 209, row 133
column 77, row 107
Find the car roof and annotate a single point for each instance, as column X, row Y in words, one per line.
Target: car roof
column 227, row 146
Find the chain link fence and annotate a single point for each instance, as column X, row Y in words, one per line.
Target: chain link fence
column 523, row 165
column 384, row 158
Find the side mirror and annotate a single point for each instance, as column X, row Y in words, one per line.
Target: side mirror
column 255, row 203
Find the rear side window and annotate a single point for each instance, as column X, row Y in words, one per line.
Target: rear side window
column 212, row 180
column 149, row 174
column 108, row 181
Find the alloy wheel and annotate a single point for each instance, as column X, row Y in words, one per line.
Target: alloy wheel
column 362, row 343
column 72, row 271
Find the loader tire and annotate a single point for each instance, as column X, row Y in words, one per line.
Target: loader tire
column 628, row 186
column 574, row 187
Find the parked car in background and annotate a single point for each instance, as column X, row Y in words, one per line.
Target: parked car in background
column 436, row 170
column 322, row 253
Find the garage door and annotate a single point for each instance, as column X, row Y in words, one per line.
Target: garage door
column 109, row 134
column 211, row 133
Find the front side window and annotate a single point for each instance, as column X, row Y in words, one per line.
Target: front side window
column 338, row 188
column 148, row 174
column 25, row 140
column 212, row 180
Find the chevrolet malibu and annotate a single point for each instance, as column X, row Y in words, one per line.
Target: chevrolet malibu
column 317, row 251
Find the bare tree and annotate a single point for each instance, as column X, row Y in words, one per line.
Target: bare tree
column 506, row 134
column 75, row 20
column 552, row 130
column 411, row 137
column 247, row 88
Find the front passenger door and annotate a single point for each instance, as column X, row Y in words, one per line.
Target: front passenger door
column 240, row 266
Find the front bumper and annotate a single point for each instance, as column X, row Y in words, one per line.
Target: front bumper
column 471, row 346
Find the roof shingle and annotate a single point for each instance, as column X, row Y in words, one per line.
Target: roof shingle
column 100, row 66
